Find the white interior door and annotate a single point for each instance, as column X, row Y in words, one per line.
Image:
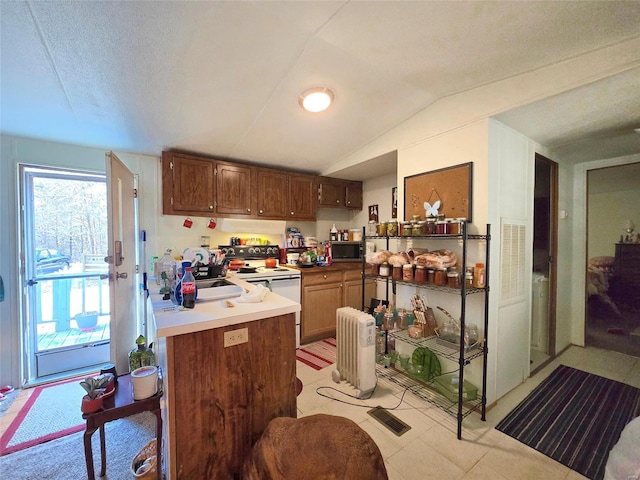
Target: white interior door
column 122, row 260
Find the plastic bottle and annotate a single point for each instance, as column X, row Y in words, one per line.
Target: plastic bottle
column 154, row 269
column 166, row 266
column 188, row 289
column 478, row 275
column 334, row 233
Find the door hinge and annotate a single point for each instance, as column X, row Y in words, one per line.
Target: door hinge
column 215, row 171
column 171, row 201
column 171, row 164
column 135, row 193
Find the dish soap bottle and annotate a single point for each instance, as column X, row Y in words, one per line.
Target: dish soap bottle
column 334, row 233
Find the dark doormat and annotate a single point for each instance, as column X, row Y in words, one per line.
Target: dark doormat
column 389, row 420
column 575, row 418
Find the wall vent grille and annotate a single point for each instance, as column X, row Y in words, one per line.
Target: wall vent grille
column 512, row 258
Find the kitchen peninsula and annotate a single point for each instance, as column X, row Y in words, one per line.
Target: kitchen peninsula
column 218, row 400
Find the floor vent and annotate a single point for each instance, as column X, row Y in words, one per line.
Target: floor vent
column 390, row 421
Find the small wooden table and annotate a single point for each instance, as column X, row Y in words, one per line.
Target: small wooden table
column 119, row 405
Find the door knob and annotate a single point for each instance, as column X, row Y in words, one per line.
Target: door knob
column 121, row 275
column 106, row 276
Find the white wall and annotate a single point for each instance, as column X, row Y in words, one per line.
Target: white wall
column 608, row 213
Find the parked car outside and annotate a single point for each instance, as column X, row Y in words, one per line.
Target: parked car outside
column 49, row 260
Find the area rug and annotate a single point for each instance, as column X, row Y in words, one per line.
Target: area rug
column 52, row 411
column 63, row 458
column 319, row 354
column 575, row 418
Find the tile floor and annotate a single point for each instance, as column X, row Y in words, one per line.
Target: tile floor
column 430, row 449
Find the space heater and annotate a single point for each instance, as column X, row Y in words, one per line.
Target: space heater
column 355, row 350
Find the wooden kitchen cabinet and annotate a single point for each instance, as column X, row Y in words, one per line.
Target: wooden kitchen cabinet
column 302, row 197
column 188, row 185
column 273, row 193
column 234, row 189
column 322, row 295
column 334, row 192
column 326, row 289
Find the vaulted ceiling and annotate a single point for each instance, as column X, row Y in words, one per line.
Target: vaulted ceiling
column 223, row 78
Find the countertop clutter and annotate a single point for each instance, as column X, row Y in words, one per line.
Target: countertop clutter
column 171, row 320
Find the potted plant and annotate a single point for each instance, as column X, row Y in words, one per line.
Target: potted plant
column 92, row 401
column 86, row 321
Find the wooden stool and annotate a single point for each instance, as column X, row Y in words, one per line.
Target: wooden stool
column 119, row 405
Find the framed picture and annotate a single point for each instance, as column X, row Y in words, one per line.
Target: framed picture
column 394, row 202
column 373, row 213
column 446, row 191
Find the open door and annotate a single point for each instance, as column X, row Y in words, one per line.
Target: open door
column 122, row 259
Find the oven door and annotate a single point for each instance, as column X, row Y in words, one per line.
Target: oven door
column 287, row 287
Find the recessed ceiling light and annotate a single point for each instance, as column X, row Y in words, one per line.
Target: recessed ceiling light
column 316, row 99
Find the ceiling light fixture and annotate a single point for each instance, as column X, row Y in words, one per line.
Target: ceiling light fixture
column 316, row 99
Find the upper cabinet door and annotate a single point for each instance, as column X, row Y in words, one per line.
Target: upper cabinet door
column 233, row 182
column 331, row 192
column 353, row 195
column 302, row 197
column 188, row 185
column 273, row 192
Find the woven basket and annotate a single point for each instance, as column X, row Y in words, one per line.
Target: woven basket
column 147, row 452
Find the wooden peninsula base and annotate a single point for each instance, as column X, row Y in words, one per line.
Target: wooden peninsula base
column 220, row 399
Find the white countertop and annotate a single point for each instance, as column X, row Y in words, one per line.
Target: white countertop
column 171, row 320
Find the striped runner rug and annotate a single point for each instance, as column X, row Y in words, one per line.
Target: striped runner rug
column 318, row 354
column 575, row 418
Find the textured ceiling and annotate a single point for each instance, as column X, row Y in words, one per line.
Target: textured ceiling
column 222, row 78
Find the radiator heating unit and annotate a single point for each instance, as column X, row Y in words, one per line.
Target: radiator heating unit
column 355, row 350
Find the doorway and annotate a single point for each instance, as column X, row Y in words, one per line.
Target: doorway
column 67, row 321
column 543, row 281
column 612, row 304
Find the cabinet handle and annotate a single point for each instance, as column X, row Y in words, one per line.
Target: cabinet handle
column 325, row 276
column 248, row 210
column 210, row 207
column 338, row 201
column 260, row 212
column 292, row 214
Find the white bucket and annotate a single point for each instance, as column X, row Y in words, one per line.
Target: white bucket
column 145, row 382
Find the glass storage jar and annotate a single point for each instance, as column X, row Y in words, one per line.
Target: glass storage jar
column 375, row 269
column 431, row 275
column 382, row 229
column 385, row 270
column 392, row 228
column 431, row 226
column 420, row 274
column 407, row 272
column 397, row 273
column 453, row 279
column 441, row 277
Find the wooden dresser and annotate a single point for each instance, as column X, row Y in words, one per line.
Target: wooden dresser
column 625, row 283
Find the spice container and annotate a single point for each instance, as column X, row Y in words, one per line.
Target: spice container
column 397, row 273
column 468, row 277
column 385, row 270
column 407, row 272
column 392, row 228
column 453, row 279
column 441, row 277
column 421, row 274
column 382, row 229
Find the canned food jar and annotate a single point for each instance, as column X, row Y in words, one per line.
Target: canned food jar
column 441, row 227
column 431, row 226
column 455, row 227
column 371, row 228
column 453, row 279
column 397, row 273
column 375, row 269
column 431, row 276
column 407, row 230
column 441, row 277
column 385, row 270
column 421, row 274
column 382, row 229
column 392, row 228
column 420, row 228
column 407, row 272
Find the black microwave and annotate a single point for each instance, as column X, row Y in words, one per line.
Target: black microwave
column 346, row 251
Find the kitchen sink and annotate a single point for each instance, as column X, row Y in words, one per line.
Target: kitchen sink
column 216, row 289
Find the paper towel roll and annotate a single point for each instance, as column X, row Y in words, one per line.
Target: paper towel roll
column 145, row 382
